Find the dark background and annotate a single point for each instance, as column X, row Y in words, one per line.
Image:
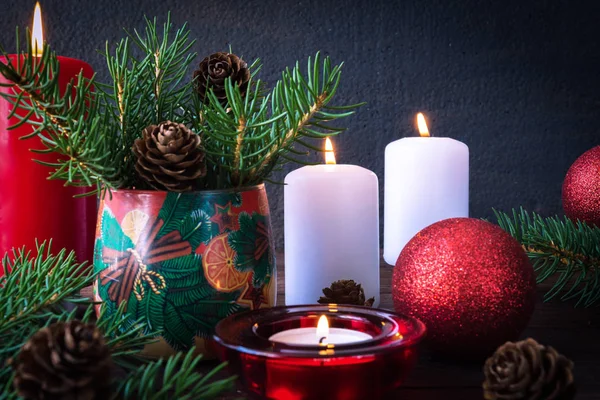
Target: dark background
column 516, row 80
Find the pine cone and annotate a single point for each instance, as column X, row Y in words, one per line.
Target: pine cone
column 345, row 292
column 68, row 361
column 213, row 71
column 169, row 157
column 527, row 370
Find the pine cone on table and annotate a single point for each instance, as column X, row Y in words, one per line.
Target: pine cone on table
column 213, row 71
column 67, row 361
column 169, row 157
column 527, row 370
column 345, row 291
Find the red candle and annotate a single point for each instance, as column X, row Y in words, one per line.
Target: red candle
column 31, row 206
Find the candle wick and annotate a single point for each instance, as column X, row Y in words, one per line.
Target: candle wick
column 321, row 340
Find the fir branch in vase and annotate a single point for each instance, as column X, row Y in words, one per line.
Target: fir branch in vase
column 245, row 130
column 260, row 133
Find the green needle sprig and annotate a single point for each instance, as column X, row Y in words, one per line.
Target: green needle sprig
column 564, row 253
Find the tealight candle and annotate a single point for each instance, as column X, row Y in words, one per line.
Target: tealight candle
column 321, row 335
column 274, row 359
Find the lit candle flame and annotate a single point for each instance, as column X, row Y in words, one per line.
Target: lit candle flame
column 37, row 33
column 329, row 154
column 322, row 328
column 422, row 125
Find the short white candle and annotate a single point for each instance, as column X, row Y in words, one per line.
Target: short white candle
column 331, row 217
column 319, row 335
column 426, row 181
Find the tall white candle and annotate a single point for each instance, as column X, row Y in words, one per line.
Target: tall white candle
column 426, row 180
column 331, row 216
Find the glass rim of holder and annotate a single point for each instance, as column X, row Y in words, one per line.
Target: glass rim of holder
column 250, row 331
column 353, row 371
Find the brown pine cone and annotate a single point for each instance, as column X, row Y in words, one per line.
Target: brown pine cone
column 345, row 292
column 527, row 370
column 68, row 361
column 169, row 157
column 213, row 71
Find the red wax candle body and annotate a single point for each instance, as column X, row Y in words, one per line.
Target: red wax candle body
column 31, row 206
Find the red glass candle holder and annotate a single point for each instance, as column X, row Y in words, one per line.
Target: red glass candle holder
column 361, row 370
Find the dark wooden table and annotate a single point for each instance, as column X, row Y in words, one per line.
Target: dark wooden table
column 574, row 332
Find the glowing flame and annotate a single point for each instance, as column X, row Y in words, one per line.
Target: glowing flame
column 37, row 33
column 423, row 130
column 322, row 328
column 329, row 154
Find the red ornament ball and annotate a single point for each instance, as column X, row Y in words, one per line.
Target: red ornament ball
column 471, row 284
column 581, row 188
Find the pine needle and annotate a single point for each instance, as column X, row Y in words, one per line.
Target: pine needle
column 92, row 126
column 40, row 288
column 180, row 380
column 274, row 125
column 564, row 253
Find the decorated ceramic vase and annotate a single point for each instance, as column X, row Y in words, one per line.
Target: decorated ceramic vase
column 184, row 261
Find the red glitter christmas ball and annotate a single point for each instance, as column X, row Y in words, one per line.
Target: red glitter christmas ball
column 581, row 188
column 471, row 284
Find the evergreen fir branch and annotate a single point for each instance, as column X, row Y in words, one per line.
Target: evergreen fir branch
column 33, row 283
column 34, row 292
column 92, row 132
column 168, row 62
column 304, row 101
column 563, row 252
column 180, row 380
column 146, row 89
column 254, row 134
column 41, row 288
column 124, row 339
column 128, row 101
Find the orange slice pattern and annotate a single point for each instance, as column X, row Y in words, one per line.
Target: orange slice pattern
column 219, row 266
column 133, row 224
